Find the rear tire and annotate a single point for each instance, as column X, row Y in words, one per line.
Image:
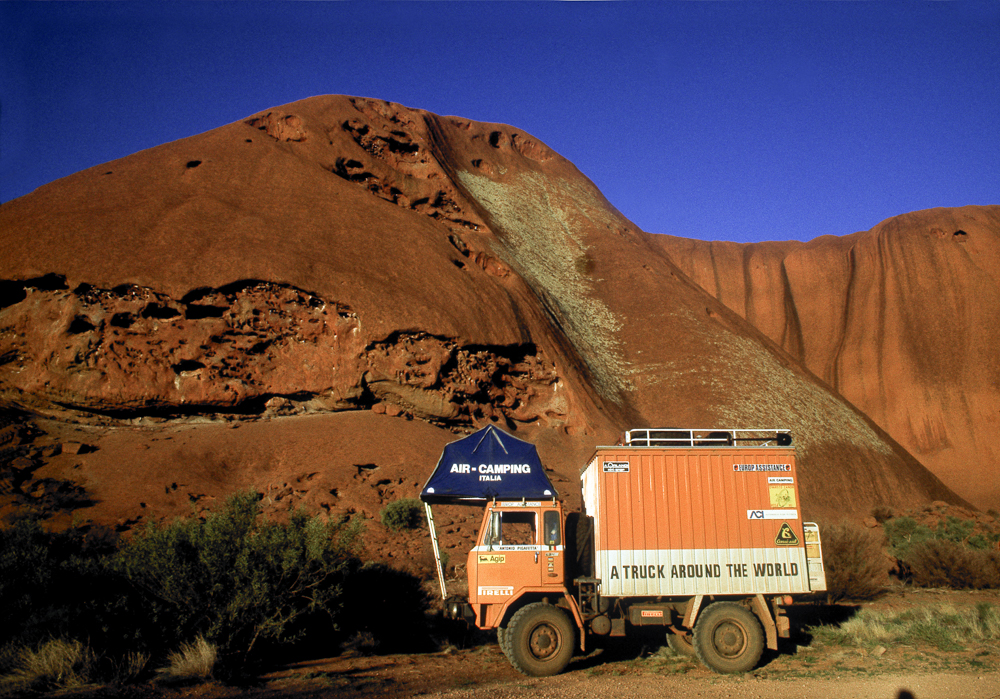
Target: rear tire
column 539, row 640
column 728, row 638
column 681, row 643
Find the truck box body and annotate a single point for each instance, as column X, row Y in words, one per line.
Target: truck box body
column 696, row 520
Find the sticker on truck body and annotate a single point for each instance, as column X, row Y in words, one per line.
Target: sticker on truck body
column 772, row 514
column 496, row 590
column 486, row 558
column 781, row 496
column 616, row 466
column 786, row 537
column 762, row 467
column 780, row 480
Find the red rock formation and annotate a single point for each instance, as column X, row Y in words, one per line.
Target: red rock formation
column 337, row 255
column 902, row 320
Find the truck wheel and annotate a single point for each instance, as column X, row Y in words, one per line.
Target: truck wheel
column 728, row 638
column 502, row 637
column 681, row 643
column 539, row 640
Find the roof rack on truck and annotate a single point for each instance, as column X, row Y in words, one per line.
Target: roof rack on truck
column 714, row 437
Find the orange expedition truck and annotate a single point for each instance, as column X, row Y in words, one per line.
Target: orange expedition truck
column 698, row 532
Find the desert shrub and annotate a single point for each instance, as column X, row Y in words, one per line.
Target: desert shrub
column 902, row 533
column 387, row 611
column 58, row 585
column 946, row 555
column 239, row 580
column 407, row 513
column 856, row 567
column 944, row 563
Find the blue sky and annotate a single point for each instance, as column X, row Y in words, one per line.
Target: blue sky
column 712, row 120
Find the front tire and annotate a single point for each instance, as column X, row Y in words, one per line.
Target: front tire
column 539, row 640
column 502, row 637
column 728, row 638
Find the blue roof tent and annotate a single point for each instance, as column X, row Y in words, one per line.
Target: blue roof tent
column 489, row 464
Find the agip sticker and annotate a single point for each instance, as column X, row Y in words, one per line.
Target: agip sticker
column 486, row 558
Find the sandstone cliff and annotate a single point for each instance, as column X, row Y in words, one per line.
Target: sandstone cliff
column 315, row 299
column 902, row 320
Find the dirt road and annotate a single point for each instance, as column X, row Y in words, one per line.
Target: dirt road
column 922, row 686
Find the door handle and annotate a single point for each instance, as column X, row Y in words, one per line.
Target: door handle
column 536, row 556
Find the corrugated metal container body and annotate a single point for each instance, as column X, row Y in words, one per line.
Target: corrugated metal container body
column 683, row 521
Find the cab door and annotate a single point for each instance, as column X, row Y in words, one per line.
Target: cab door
column 507, row 557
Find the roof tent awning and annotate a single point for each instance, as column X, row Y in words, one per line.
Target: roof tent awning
column 488, row 465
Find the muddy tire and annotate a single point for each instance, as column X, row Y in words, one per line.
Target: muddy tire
column 681, row 643
column 539, row 640
column 502, row 637
column 728, row 638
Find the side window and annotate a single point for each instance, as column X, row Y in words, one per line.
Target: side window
column 512, row 529
column 492, row 537
column 519, row 528
column 550, row 529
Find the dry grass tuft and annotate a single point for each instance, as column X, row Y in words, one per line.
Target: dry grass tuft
column 56, row 664
column 193, row 661
column 943, row 626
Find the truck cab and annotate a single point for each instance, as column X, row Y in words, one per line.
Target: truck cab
column 519, row 552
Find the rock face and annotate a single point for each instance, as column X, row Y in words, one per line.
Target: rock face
column 901, row 320
column 389, row 278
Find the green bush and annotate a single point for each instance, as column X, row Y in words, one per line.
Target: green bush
column 407, row 513
column 239, row 580
column 856, row 567
column 947, row 555
column 249, row 586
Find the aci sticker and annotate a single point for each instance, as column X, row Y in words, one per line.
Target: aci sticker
column 772, row 514
column 786, row 537
column 616, row 467
column 485, row 558
column 781, row 496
